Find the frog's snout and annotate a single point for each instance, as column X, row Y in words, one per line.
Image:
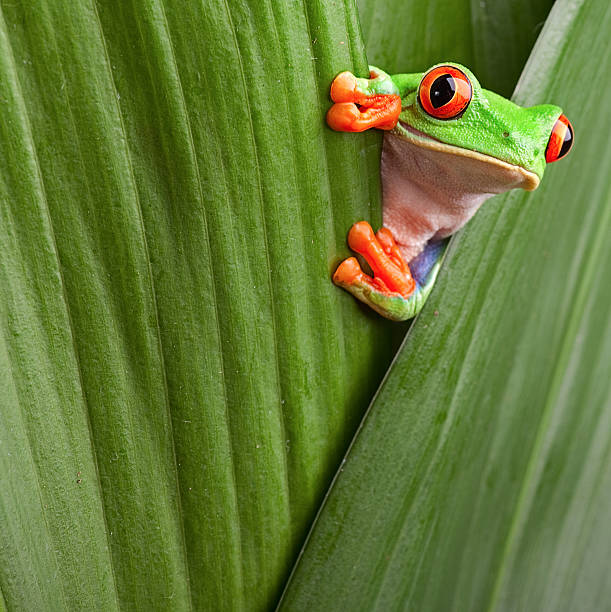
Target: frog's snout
column 560, row 140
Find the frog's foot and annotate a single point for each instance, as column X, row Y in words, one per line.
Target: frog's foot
column 392, row 285
column 356, row 109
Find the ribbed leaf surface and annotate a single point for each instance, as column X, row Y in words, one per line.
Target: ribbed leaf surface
column 480, row 479
column 493, row 38
column 179, row 377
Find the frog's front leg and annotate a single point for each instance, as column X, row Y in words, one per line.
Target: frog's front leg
column 361, row 104
column 392, row 285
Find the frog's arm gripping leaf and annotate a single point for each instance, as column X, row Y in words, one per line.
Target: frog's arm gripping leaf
column 361, row 104
column 396, row 291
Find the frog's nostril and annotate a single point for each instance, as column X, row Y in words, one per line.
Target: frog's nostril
column 505, row 134
column 560, row 140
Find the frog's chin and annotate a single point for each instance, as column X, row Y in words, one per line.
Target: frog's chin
column 525, row 178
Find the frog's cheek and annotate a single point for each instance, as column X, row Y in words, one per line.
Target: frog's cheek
column 560, row 140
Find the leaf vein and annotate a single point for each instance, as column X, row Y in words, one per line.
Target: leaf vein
column 153, row 294
column 64, row 297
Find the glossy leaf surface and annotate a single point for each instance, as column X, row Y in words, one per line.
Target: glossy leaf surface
column 480, row 479
column 179, row 377
column 493, row 38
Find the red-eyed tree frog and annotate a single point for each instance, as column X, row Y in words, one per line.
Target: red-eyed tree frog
column 449, row 145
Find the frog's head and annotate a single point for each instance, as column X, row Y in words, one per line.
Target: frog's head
column 447, row 110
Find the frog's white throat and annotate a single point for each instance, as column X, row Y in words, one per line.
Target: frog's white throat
column 430, row 189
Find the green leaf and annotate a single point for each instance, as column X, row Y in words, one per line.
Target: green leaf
column 179, row 376
column 480, row 478
column 492, row 37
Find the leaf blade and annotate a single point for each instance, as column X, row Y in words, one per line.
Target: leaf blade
column 163, row 191
column 492, row 38
column 439, row 505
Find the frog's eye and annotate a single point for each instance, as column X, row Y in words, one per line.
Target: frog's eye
column 560, row 140
column 445, row 92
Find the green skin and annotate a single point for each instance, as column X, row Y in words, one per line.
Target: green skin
column 491, row 126
column 483, row 125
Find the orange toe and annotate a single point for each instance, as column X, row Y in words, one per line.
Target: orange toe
column 387, row 267
column 386, row 239
column 387, row 242
column 348, row 272
column 343, row 88
column 360, row 237
column 345, row 117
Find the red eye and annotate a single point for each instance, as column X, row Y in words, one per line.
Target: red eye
column 560, row 140
column 445, row 92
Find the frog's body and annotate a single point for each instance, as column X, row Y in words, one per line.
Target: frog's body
column 449, row 146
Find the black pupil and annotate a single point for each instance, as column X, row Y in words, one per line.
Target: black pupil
column 442, row 90
column 568, row 142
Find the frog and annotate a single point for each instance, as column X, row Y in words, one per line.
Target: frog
column 448, row 146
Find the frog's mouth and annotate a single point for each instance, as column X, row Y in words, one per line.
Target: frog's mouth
column 521, row 177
